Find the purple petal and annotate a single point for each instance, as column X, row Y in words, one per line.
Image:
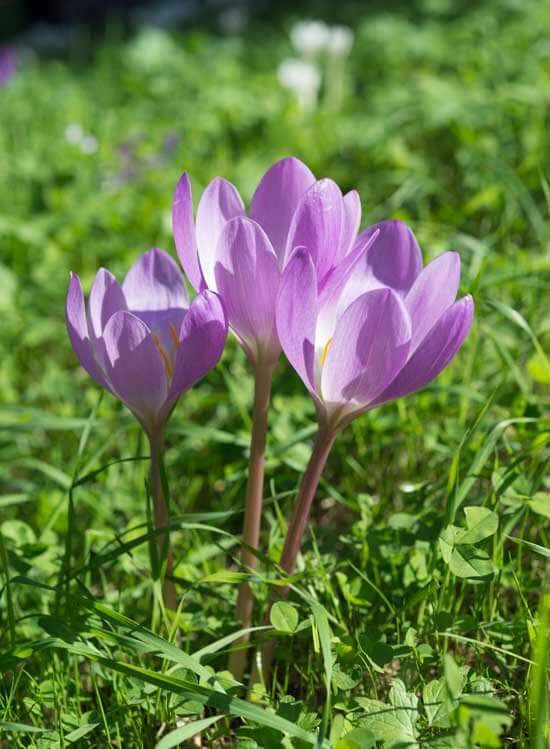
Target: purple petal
column 394, row 259
column 434, row 353
column 297, row 313
column 183, row 227
column 219, row 203
column 432, row 293
column 106, row 298
column 317, row 225
column 154, row 288
column 247, row 279
column 277, row 197
column 77, row 327
column 369, row 347
column 350, row 224
column 134, row 367
column 202, row 339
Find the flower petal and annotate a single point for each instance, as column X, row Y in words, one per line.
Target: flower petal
column 369, row 347
column 77, row 327
column 317, row 225
column 247, row 279
column 351, row 222
column 134, row 367
column 154, row 287
column 433, row 292
column 183, row 227
column 277, row 197
column 394, row 259
column 219, row 203
column 202, row 338
column 297, row 313
column 106, row 298
column 434, row 353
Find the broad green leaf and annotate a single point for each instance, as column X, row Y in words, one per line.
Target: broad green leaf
column 284, row 617
column 394, row 722
column 470, row 562
column 80, row 732
column 540, row 503
column 176, row 737
column 455, row 676
column 447, row 540
column 434, row 696
column 480, row 523
column 357, row 738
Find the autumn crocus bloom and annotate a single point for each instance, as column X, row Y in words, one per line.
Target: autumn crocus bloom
column 144, row 343
column 241, row 256
column 381, row 327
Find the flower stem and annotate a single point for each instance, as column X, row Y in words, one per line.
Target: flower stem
column 162, row 520
column 253, row 510
column 297, row 526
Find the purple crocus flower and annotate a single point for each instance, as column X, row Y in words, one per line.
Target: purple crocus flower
column 146, row 344
column 242, row 256
column 380, row 328
column 142, row 340
column 8, row 64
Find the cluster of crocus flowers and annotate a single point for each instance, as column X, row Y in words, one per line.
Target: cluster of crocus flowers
column 359, row 317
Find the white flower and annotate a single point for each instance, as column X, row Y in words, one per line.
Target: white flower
column 340, row 40
column 74, row 133
column 88, row 144
column 302, row 78
column 309, row 37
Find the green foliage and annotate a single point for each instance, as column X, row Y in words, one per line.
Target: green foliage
column 416, row 617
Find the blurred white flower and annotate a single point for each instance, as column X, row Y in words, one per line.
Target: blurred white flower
column 309, row 37
column 340, row 40
column 74, row 133
column 88, row 144
column 302, row 78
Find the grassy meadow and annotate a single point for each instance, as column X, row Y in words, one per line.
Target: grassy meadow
column 419, row 615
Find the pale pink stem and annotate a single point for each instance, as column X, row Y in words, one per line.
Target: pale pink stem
column 297, row 526
column 253, row 510
column 162, row 520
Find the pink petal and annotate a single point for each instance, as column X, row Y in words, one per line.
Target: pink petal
column 247, row 278
column 432, row 293
column 434, row 353
column 369, row 347
column 77, row 327
column 219, row 203
column 277, row 197
column 154, row 283
column 317, row 225
column 394, row 259
column 183, row 227
column 297, row 314
column 134, row 367
column 106, row 298
column 201, row 342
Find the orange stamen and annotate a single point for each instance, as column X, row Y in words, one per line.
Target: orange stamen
column 174, row 334
column 325, row 351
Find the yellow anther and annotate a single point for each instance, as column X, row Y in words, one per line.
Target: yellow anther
column 325, row 351
column 164, row 356
column 174, row 334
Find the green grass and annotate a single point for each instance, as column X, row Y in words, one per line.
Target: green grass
column 404, row 630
